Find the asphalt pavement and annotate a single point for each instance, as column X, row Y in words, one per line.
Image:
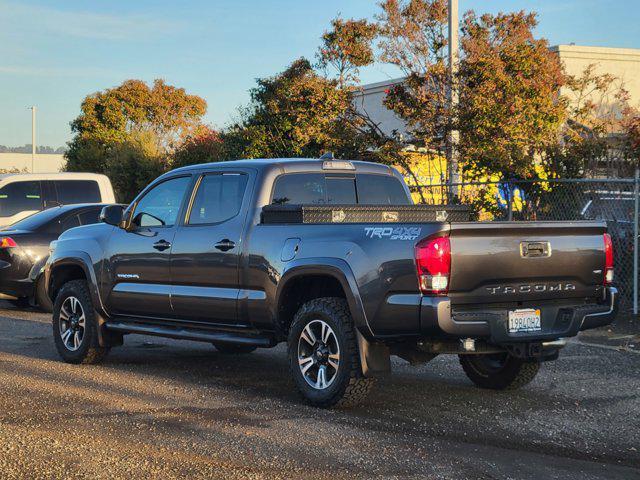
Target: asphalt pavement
column 160, row 408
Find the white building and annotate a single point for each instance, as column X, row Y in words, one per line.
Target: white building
column 370, row 101
column 623, row 63
column 42, row 162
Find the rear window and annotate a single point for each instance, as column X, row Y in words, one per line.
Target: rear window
column 381, row 190
column 89, row 217
column 77, row 191
column 18, row 197
column 341, row 190
column 70, row 222
column 299, row 188
column 37, row 220
column 318, row 188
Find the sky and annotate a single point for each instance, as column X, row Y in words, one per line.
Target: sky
column 53, row 54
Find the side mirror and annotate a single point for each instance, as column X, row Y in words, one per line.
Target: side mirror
column 112, row 214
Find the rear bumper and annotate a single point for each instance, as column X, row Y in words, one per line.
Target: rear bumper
column 16, row 288
column 14, row 280
column 557, row 321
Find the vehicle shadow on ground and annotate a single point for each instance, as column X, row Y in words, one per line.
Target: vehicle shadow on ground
column 434, row 401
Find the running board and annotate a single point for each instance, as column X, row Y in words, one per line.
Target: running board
column 183, row 333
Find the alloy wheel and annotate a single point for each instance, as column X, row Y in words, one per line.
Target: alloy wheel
column 318, row 354
column 72, row 323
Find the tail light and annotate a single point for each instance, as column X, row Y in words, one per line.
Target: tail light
column 608, row 259
column 433, row 259
column 7, row 242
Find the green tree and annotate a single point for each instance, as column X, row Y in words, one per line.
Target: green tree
column 595, row 103
column 167, row 111
column 205, row 146
column 632, row 129
column 346, row 48
column 133, row 163
column 297, row 113
column 510, row 106
column 413, row 38
column 130, row 132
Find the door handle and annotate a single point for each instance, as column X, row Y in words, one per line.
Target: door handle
column 162, row 245
column 225, row 245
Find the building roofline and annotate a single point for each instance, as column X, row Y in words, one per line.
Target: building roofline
column 566, row 50
column 604, row 53
column 378, row 87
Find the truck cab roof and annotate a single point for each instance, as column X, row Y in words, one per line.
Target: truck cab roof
column 292, row 165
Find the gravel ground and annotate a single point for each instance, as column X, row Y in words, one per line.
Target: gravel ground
column 166, row 409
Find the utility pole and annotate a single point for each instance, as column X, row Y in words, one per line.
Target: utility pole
column 33, row 136
column 454, row 135
column 636, row 192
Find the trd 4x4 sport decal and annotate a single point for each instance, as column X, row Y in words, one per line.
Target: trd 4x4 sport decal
column 393, row 233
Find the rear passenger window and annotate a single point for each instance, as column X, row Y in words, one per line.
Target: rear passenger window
column 219, row 198
column 77, row 191
column 70, row 222
column 19, row 197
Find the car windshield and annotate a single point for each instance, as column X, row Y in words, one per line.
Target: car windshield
column 610, row 209
column 37, row 220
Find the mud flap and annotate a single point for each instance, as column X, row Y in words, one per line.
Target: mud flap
column 105, row 337
column 375, row 358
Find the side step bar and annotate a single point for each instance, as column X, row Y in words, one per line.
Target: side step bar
column 183, row 333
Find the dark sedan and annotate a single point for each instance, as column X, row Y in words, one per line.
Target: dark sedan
column 24, row 249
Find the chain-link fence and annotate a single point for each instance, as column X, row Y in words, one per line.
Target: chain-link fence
column 612, row 200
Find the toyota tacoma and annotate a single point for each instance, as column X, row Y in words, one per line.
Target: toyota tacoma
column 333, row 258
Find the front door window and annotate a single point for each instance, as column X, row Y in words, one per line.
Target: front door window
column 161, row 205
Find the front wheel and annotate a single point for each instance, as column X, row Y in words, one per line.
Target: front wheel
column 75, row 327
column 499, row 371
column 323, row 355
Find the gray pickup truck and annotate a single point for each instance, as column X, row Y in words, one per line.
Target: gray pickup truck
column 333, row 258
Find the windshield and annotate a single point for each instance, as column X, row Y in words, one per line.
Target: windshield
column 20, row 196
column 35, row 221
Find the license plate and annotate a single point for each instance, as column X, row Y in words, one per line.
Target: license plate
column 526, row 320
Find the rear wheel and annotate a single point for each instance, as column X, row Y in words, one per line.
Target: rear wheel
column 20, row 302
column 75, row 327
column 234, row 349
column 323, row 355
column 42, row 300
column 499, row 371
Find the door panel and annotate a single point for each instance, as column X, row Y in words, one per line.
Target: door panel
column 139, row 256
column 206, row 251
column 140, row 275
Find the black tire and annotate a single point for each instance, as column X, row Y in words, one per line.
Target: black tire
column 88, row 351
column 41, row 298
column 20, row 302
column 234, row 349
column 348, row 387
column 499, row 371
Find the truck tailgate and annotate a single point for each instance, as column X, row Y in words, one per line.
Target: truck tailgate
column 523, row 261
